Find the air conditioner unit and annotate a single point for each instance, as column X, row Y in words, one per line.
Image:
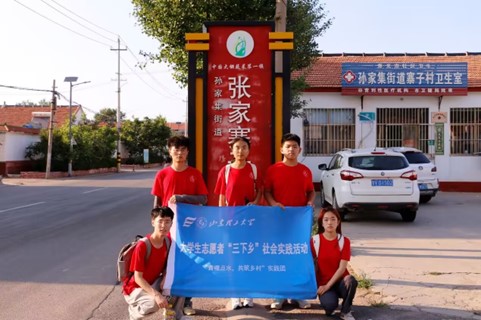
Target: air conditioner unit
column 41, row 114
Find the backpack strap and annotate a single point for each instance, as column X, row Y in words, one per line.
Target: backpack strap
column 340, row 239
column 227, row 170
column 317, row 242
column 254, row 170
column 148, row 245
column 167, row 242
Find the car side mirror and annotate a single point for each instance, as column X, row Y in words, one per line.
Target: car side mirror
column 322, row 166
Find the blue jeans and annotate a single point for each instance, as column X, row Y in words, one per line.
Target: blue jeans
column 344, row 289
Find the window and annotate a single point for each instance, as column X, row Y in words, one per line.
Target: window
column 378, row 163
column 327, row 131
column 465, row 131
column 404, row 128
column 416, row 157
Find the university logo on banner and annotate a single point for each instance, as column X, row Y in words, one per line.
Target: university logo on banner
column 251, row 251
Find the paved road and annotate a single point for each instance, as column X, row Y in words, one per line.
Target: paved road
column 59, row 240
column 429, row 269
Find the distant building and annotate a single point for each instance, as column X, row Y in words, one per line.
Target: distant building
column 178, row 128
column 429, row 101
column 20, row 127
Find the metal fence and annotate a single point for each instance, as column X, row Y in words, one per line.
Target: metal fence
column 465, row 131
column 404, row 128
column 327, row 131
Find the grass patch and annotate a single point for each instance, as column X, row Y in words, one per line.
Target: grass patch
column 379, row 304
column 364, row 281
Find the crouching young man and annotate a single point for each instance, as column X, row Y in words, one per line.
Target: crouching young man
column 143, row 290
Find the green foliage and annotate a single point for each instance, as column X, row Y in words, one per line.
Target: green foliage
column 364, row 281
column 108, row 115
column 151, row 134
column 169, row 20
column 96, row 143
column 94, row 148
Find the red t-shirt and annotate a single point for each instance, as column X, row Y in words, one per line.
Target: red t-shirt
column 289, row 185
column 151, row 270
column 169, row 182
column 241, row 187
column 329, row 258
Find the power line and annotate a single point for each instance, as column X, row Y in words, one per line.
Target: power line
column 23, row 88
column 84, row 18
column 172, row 96
column 61, row 25
column 147, row 84
column 151, row 76
column 80, row 24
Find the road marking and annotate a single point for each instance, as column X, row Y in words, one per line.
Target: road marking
column 21, row 207
column 94, row 190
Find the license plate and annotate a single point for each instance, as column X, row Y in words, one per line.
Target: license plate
column 381, row 183
column 423, row 186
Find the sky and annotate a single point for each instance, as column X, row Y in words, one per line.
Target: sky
column 46, row 40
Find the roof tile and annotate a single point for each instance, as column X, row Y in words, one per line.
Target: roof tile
column 22, row 115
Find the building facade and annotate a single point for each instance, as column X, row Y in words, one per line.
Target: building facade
column 428, row 101
column 20, row 127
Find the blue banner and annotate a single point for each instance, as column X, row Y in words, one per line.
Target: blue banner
column 251, row 251
column 406, row 78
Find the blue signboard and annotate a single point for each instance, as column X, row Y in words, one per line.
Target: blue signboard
column 251, row 251
column 405, row 78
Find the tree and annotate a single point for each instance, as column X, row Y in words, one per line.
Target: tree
column 95, row 148
column 108, row 115
column 44, row 102
column 168, row 21
column 151, row 134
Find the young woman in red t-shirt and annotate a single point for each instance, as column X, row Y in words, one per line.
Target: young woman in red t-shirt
column 333, row 280
column 239, row 186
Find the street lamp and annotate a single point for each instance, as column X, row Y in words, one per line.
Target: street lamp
column 71, row 80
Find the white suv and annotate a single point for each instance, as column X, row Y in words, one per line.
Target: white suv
column 376, row 178
column 426, row 170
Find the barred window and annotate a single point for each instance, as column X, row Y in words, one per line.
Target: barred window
column 465, row 131
column 404, row 128
column 327, row 131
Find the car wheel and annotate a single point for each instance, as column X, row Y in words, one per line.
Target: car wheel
column 408, row 215
column 324, row 202
column 342, row 212
column 424, row 199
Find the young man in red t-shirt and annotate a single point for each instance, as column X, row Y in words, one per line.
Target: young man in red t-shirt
column 179, row 183
column 142, row 291
column 288, row 183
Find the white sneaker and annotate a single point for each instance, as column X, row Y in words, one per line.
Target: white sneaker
column 248, row 302
column 235, row 303
column 304, row 304
column 188, row 311
column 277, row 304
column 347, row 316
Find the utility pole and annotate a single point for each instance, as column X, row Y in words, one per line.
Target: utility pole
column 280, row 26
column 53, row 108
column 118, row 101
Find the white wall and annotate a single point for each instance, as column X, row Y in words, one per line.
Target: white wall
column 2, row 146
column 450, row 168
column 15, row 145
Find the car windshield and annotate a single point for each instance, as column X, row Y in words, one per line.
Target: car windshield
column 416, row 157
column 372, row 162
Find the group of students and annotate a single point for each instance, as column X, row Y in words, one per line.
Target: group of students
column 286, row 183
